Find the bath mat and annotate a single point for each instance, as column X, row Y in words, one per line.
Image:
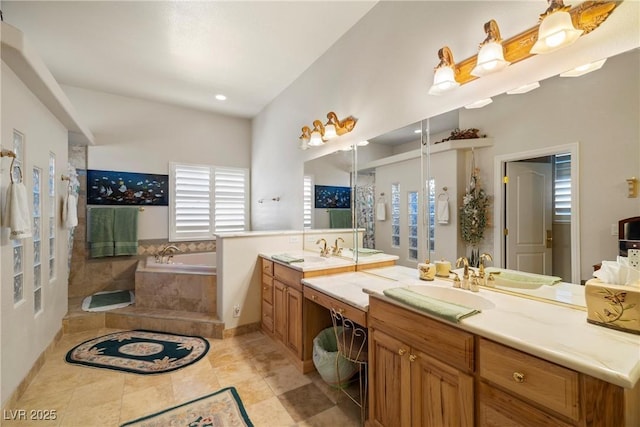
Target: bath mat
column 139, row 352
column 220, row 409
column 109, row 300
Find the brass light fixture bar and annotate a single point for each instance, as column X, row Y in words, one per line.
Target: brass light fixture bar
column 587, row 17
column 319, row 134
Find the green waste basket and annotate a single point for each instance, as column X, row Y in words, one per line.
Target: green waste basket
column 327, row 362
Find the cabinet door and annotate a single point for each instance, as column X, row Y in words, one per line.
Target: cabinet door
column 440, row 394
column 294, row 321
column 389, row 381
column 279, row 310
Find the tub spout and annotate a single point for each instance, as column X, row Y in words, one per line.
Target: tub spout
column 171, row 249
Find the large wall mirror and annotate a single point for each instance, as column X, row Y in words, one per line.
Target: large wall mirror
column 571, row 142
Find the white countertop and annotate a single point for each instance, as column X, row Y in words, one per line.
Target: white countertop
column 552, row 332
column 314, row 262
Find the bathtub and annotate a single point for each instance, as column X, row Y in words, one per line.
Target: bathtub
column 199, row 263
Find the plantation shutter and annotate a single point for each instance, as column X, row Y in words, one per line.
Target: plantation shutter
column 192, row 202
column 230, row 199
column 307, row 198
column 562, row 188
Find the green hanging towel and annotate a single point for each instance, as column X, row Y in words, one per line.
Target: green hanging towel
column 125, row 231
column 101, row 232
column 340, row 218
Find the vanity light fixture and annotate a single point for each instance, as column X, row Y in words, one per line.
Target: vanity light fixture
column 479, row 103
column 491, row 53
column 221, row 97
column 322, row 133
column 586, row 17
column 584, row 69
column 444, row 75
column 524, row 88
column 556, row 29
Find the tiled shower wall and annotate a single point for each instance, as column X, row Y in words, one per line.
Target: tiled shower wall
column 88, row 276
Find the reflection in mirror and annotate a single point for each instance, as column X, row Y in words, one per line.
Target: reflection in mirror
column 391, row 204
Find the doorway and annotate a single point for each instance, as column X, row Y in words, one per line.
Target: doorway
column 536, row 209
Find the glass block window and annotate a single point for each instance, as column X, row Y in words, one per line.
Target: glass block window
column 37, row 241
column 17, row 245
column 431, row 186
column 395, row 215
column 412, row 209
column 52, row 216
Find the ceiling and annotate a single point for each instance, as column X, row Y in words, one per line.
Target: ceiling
column 184, row 52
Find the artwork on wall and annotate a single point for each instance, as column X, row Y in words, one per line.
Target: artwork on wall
column 332, row 197
column 127, row 188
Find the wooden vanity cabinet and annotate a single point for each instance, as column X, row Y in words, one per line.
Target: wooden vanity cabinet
column 267, row 295
column 287, row 308
column 420, row 370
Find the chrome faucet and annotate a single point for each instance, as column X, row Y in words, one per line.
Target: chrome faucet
column 163, row 252
column 337, row 250
column 324, row 250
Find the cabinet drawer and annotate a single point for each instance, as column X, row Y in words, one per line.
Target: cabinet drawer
column 499, row 409
column 534, row 379
column 267, row 288
column 267, row 316
column 444, row 342
column 288, row 276
column 346, row 310
column 267, row 266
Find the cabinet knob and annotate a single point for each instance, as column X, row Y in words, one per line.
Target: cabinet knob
column 314, row 297
column 518, row 377
column 412, row 357
column 402, row 351
column 341, row 310
column 264, row 288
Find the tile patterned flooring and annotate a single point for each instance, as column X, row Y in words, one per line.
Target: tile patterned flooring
column 273, row 392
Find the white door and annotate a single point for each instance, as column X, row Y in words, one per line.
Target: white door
column 529, row 215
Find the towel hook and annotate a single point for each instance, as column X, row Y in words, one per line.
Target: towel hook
column 11, row 168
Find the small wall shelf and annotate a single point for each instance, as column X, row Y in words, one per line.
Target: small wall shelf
column 458, row 144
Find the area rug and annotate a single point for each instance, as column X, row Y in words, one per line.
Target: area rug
column 220, row 409
column 109, row 300
column 139, row 352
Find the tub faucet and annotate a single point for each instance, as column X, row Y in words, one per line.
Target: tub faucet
column 337, row 250
column 324, row 250
column 171, row 249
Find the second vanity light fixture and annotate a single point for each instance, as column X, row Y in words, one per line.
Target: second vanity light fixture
column 559, row 27
column 321, row 133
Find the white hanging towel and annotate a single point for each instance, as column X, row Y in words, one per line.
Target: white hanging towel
column 381, row 211
column 443, row 211
column 16, row 212
column 70, row 211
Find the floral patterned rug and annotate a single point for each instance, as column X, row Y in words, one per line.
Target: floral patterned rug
column 220, row 409
column 139, row 352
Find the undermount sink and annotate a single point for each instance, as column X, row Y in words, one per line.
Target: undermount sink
column 455, row 296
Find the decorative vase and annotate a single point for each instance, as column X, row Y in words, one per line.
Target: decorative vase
column 474, row 259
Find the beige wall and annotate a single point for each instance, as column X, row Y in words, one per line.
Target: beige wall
column 380, row 71
column 25, row 335
column 136, row 135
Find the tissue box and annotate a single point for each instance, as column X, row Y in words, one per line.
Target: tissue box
column 613, row 306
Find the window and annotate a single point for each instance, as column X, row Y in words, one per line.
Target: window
column 562, row 188
column 17, row 244
column 52, row 216
column 207, row 199
column 412, row 208
column 37, row 243
column 395, row 215
column 307, row 200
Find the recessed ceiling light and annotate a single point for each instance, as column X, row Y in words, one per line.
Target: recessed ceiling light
column 584, row 69
column 479, row 103
column 524, row 88
column 417, row 131
column 221, row 97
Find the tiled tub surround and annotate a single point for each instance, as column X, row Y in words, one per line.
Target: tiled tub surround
column 175, row 288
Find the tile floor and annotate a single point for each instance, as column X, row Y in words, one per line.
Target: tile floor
column 273, row 392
